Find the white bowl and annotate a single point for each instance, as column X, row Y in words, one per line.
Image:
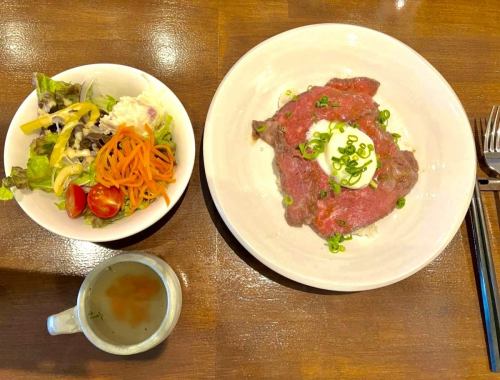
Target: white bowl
column 115, row 80
column 425, row 111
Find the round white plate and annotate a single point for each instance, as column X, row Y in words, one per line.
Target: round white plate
column 115, row 80
column 424, row 109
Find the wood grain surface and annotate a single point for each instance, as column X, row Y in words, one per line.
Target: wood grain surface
column 239, row 319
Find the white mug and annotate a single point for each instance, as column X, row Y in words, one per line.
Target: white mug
column 77, row 319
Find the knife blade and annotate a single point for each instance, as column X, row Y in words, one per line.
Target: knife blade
column 489, row 184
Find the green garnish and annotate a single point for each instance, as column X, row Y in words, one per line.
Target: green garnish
column 323, row 194
column 334, row 185
column 383, row 119
column 287, row 200
column 373, row 184
column 396, row 137
column 400, row 203
column 312, row 148
column 291, row 94
column 61, row 205
column 322, row 102
column 340, row 126
column 6, row 194
column 384, row 115
column 335, row 241
column 261, row 128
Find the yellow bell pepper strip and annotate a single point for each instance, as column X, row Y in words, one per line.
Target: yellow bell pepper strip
column 73, row 112
column 60, row 145
column 61, row 177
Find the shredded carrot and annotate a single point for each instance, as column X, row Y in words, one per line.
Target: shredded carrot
column 137, row 166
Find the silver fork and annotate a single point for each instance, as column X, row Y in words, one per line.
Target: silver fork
column 491, row 145
column 490, row 297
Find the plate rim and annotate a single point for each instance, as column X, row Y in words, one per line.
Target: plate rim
column 298, row 277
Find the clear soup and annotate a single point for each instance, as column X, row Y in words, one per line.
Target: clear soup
column 126, row 304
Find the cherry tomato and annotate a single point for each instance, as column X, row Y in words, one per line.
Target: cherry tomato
column 76, row 199
column 104, row 202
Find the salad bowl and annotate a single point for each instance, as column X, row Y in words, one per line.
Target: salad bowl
column 116, row 81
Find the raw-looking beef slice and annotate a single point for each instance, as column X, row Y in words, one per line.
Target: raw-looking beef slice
column 301, row 180
column 354, row 209
column 266, row 130
column 296, row 116
column 399, row 169
column 360, row 85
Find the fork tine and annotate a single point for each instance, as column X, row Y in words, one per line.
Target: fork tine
column 482, row 124
column 486, row 145
column 496, row 130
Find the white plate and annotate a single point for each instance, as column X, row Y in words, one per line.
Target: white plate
column 423, row 108
column 115, row 80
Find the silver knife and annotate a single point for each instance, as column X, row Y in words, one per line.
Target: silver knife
column 489, row 184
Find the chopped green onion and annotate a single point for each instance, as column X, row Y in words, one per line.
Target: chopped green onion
column 340, row 126
column 396, row 137
column 287, row 200
column 373, row 184
column 400, row 203
column 311, row 149
column 354, row 179
column 335, row 241
column 334, row 185
column 384, row 115
column 323, row 194
column 322, row 102
column 383, row 118
column 261, row 128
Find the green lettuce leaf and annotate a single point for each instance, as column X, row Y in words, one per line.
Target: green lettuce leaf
column 87, row 178
column 97, row 222
column 18, row 178
column 43, row 145
column 5, row 194
column 163, row 134
column 39, row 173
column 61, row 205
column 104, row 102
column 54, row 95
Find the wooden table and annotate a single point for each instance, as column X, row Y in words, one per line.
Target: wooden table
column 239, row 318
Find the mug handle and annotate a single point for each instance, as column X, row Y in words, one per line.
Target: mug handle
column 65, row 322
